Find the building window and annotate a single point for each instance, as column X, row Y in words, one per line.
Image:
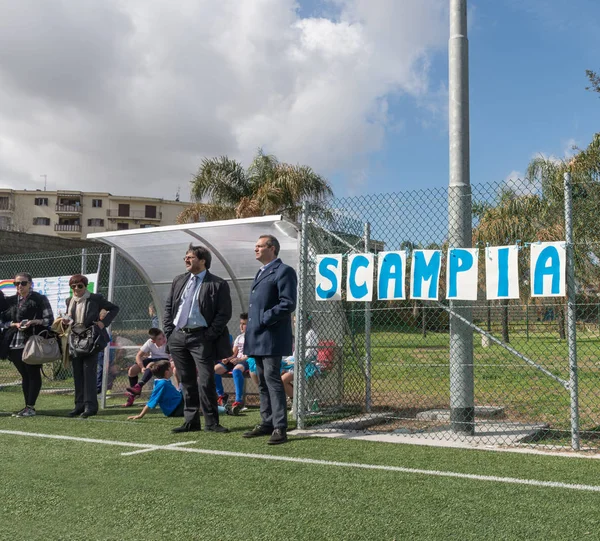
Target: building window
column 41, row 221
column 95, row 222
column 4, row 203
column 123, row 209
column 150, row 211
column 122, row 226
column 5, row 222
column 97, row 203
column 41, row 201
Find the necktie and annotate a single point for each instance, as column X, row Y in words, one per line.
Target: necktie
column 188, row 299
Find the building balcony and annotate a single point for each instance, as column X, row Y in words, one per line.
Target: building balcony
column 68, row 209
column 113, row 214
column 67, row 228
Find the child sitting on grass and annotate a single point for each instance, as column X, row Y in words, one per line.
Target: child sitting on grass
column 165, row 395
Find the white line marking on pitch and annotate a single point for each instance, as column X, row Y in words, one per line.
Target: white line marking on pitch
column 312, row 461
column 158, row 448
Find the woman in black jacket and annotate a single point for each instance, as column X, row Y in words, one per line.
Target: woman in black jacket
column 83, row 311
column 27, row 312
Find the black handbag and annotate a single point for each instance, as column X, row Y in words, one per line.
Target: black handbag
column 85, row 341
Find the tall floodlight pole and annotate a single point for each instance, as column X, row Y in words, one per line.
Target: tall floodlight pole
column 462, row 410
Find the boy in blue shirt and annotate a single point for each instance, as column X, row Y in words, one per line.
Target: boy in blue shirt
column 164, row 394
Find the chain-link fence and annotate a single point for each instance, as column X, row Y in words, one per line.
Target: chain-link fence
column 488, row 372
column 498, row 371
column 128, row 331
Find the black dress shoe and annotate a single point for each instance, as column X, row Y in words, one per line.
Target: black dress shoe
column 88, row 413
column 216, row 428
column 258, row 430
column 187, row 427
column 278, row 436
column 75, row 412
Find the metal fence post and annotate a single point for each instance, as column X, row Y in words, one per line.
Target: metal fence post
column 83, row 260
column 300, row 353
column 368, row 400
column 110, row 297
column 571, row 314
column 462, row 403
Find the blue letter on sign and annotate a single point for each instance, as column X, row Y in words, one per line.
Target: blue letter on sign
column 391, row 269
column 548, row 263
column 358, row 291
column 424, row 272
column 460, row 261
column 503, row 272
column 328, row 274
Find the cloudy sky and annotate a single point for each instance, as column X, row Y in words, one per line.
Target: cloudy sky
column 128, row 96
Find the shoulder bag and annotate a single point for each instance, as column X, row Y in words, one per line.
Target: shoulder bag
column 41, row 348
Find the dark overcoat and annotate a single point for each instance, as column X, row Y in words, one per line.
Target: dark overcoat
column 272, row 301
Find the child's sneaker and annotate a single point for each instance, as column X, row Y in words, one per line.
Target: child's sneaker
column 130, row 400
column 222, row 399
column 135, row 389
column 236, row 407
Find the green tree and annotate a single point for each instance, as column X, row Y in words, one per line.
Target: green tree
column 223, row 189
column 515, row 218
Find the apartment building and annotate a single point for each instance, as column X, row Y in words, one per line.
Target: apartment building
column 73, row 214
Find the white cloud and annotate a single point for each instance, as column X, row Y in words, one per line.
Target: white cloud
column 128, row 96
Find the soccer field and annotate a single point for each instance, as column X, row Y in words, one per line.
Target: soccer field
column 107, row 478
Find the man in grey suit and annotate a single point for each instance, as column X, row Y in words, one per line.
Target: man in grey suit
column 269, row 336
column 195, row 322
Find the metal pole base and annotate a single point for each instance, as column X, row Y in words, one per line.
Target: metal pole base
column 462, row 420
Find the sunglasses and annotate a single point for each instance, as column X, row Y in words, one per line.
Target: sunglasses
column 22, row 283
column 77, row 286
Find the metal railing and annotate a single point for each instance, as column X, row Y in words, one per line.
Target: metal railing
column 133, row 215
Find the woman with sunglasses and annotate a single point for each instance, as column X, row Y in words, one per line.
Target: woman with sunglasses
column 83, row 309
column 27, row 312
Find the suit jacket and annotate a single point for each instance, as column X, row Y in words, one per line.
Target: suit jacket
column 214, row 299
column 272, row 301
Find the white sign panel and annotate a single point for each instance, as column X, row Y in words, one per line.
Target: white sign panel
column 359, row 282
column 502, row 272
column 425, row 274
column 548, row 269
column 461, row 274
column 391, row 269
column 329, row 277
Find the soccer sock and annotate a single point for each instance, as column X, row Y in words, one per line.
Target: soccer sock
column 146, row 377
column 238, row 382
column 219, row 385
column 133, row 380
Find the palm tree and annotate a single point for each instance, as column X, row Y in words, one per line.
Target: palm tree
column 223, row 189
column 584, row 168
column 515, row 217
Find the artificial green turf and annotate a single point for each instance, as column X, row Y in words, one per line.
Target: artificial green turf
column 74, row 490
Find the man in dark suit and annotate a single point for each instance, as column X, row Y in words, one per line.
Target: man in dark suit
column 195, row 323
column 269, row 335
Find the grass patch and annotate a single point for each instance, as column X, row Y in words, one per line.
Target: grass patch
column 75, row 490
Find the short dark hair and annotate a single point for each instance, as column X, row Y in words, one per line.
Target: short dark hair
column 25, row 275
column 201, row 253
column 78, row 279
column 154, row 332
column 244, row 315
column 272, row 241
column 159, row 368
